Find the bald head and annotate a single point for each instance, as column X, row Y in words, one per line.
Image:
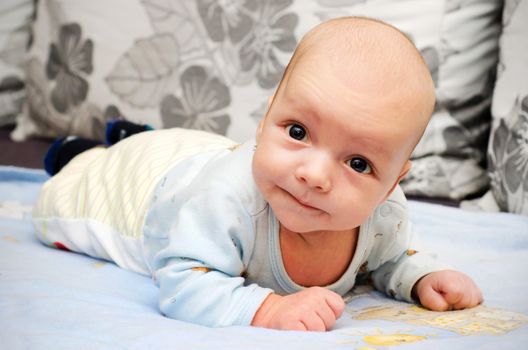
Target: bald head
column 359, row 38
column 371, row 56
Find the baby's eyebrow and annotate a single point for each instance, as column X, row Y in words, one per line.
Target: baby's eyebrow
column 314, row 115
column 372, row 151
column 307, row 112
column 302, row 107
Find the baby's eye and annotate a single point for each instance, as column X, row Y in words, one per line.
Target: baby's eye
column 296, row 132
column 360, row 165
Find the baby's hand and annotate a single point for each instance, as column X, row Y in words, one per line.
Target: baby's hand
column 312, row 309
column 447, row 290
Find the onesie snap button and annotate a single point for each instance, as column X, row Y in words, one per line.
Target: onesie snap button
column 385, row 210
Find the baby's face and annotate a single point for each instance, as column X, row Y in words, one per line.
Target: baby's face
column 329, row 152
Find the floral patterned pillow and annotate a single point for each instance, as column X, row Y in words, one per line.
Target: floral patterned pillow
column 197, row 64
column 450, row 159
column 508, row 148
column 212, row 65
column 15, row 19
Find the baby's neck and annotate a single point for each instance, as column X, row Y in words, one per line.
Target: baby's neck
column 317, row 258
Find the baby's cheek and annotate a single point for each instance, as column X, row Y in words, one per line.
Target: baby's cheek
column 352, row 208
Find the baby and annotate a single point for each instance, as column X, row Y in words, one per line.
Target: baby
column 271, row 233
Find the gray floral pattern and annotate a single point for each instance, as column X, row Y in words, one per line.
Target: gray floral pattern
column 509, row 9
column 427, row 179
column 15, row 19
column 340, row 3
column 474, row 118
column 200, row 106
column 459, row 130
column 147, row 71
column 273, row 31
column 239, row 43
column 508, row 161
column 12, row 95
column 70, row 59
column 38, row 99
column 227, row 18
column 87, row 121
column 508, row 147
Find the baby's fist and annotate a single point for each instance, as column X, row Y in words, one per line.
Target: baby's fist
column 312, row 309
column 447, row 290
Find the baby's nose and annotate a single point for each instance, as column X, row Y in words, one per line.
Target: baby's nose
column 316, row 173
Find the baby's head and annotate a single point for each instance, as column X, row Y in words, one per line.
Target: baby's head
column 336, row 139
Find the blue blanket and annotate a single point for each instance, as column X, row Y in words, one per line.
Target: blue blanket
column 52, row 299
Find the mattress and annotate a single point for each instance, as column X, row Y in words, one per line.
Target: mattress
column 53, row 299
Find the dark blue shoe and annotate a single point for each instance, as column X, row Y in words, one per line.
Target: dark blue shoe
column 51, row 157
column 119, row 129
column 64, row 149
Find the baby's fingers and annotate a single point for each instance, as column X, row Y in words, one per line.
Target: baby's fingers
column 336, row 304
column 327, row 315
column 324, row 315
column 314, row 323
column 455, row 296
column 296, row 326
column 433, row 300
column 463, row 295
column 472, row 298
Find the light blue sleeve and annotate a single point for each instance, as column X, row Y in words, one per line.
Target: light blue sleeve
column 403, row 258
column 199, row 271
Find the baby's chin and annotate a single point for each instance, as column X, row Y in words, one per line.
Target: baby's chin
column 303, row 225
column 297, row 225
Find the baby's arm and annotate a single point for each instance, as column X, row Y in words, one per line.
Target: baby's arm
column 417, row 275
column 206, row 296
column 199, row 269
column 447, row 290
column 312, row 309
column 407, row 272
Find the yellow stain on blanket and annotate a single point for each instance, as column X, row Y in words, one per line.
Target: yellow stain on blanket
column 480, row 320
column 98, row 264
column 379, row 338
column 392, row 339
column 10, row 239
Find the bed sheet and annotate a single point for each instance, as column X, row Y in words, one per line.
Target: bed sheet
column 52, row 299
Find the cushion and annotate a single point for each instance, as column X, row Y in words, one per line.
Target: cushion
column 15, row 19
column 508, row 148
column 449, row 161
column 212, row 65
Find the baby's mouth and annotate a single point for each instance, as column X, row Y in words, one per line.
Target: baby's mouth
column 302, row 202
column 305, row 203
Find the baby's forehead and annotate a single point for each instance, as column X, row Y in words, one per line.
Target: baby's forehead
column 339, row 104
column 365, row 58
